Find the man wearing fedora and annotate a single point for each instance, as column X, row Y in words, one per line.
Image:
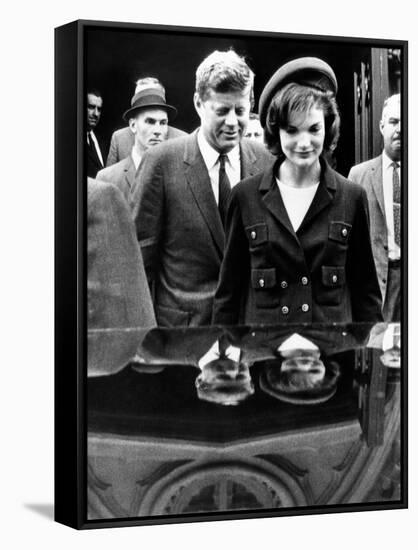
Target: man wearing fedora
column 122, row 140
column 182, row 191
column 148, row 122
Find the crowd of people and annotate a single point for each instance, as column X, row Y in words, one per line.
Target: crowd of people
column 243, row 221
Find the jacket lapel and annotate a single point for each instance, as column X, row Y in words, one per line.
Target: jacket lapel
column 376, row 180
column 248, row 160
column 198, row 179
column 129, row 170
column 272, row 198
column 323, row 197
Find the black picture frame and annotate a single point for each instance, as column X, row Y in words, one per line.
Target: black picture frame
column 81, row 55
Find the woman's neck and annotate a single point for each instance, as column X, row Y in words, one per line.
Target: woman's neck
column 296, row 176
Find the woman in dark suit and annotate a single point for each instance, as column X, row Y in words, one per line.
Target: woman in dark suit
column 298, row 246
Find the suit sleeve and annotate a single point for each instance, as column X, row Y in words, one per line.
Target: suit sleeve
column 147, row 205
column 366, row 299
column 118, row 293
column 233, row 279
column 112, row 157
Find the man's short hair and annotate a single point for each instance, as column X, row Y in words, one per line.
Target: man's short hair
column 148, row 82
column 395, row 98
column 223, row 72
column 94, row 91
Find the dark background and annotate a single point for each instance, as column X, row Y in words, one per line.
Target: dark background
column 117, row 57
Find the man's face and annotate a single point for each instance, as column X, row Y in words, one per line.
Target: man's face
column 150, row 127
column 94, row 110
column 390, row 127
column 254, row 130
column 223, row 118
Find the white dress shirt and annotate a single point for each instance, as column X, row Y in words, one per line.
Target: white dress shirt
column 136, row 157
column 387, row 176
column 211, row 159
column 213, row 353
column 96, row 145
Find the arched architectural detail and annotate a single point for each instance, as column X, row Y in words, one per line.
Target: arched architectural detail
column 214, row 486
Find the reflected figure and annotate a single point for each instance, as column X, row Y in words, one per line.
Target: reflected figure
column 387, row 337
column 224, row 379
column 301, row 379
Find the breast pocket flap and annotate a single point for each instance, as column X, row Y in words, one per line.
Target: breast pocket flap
column 333, row 276
column 339, row 231
column 263, row 278
column 257, row 234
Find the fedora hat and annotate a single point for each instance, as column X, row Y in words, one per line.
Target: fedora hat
column 307, row 71
column 148, row 98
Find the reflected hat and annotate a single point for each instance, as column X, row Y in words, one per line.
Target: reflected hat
column 307, row 71
column 272, row 383
column 150, row 97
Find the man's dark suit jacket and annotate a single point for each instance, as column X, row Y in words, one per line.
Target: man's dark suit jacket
column 92, row 160
column 118, row 292
column 322, row 273
column 179, row 227
column 122, row 142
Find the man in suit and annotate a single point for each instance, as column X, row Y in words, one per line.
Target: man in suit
column 94, row 149
column 182, row 191
column 254, row 129
column 148, row 122
column 117, row 289
column 122, row 140
column 381, row 178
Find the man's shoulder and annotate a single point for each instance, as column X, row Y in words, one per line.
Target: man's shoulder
column 101, row 192
column 170, row 148
column 175, row 132
column 113, row 170
column 258, row 149
column 122, row 133
column 362, row 168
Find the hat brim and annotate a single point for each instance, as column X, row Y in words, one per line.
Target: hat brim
column 130, row 113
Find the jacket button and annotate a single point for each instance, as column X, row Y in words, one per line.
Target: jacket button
column 304, row 280
column 261, row 282
column 284, row 284
column 334, row 278
column 253, row 235
column 285, row 310
column 305, row 308
column 344, row 232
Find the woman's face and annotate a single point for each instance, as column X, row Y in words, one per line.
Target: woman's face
column 302, row 140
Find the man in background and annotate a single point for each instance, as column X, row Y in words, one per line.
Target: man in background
column 94, row 150
column 148, row 123
column 381, row 177
column 254, row 129
column 122, row 140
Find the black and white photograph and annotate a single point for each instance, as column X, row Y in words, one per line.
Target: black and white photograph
column 244, row 289
column 193, row 353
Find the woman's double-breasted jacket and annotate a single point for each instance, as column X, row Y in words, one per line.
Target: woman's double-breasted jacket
column 323, row 272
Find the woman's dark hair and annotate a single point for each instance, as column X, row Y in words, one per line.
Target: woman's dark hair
column 297, row 98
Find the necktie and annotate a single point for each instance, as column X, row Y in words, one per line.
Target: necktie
column 396, row 203
column 92, row 148
column 224, row 188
